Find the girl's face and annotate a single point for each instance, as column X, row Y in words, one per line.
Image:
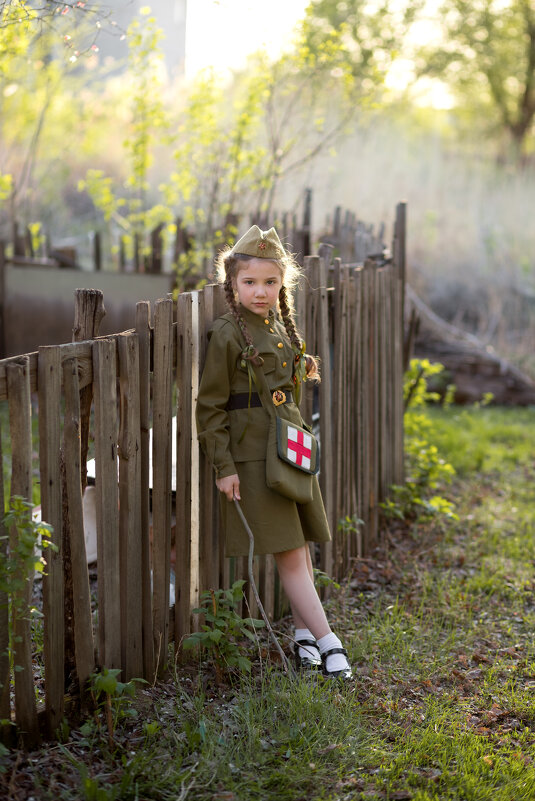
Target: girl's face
column 257, row 284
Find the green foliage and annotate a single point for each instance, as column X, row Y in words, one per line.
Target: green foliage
column 129, row 207
column 426, row 469
column 322, row 579
column 440, row 636
column 483, row 440
column 224, row 628
column 487, row 56
column 369, row 36
column 19, row 561
column 114, row 698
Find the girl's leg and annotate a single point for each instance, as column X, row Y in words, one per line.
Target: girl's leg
column 295, row 575
column 298, row 620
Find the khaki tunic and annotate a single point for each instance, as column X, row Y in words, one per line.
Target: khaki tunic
column 235, row 441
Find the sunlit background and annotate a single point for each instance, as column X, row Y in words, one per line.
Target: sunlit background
column 89, row 136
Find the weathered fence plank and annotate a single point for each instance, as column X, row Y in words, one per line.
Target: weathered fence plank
column 161, row 471
column 20, row 424
column 183, row 571
column 195, row 452
column 83, row 627
column 130, row 508
column 107, row 503
column 209, row 540
column 51, row 512
column 5, row 704
column 144, row 338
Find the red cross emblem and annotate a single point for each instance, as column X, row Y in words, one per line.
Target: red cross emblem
column 299, row 447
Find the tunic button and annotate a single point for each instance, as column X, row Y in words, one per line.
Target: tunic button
column 280, row 345
column 284, row 364
column 271, row 331
column 266, row 322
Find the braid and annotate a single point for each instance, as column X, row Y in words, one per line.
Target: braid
column 288, row 319
column 311, row 362
column 250, row 353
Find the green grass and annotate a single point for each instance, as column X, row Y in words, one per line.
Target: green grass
column 440, row 632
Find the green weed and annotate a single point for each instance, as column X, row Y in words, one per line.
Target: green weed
column 439, row 632
column 224, row 629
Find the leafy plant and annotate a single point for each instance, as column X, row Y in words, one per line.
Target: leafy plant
column 224, row 628
column 20, row 559
column 114, row 696
column 322, row 579
column 426, row 469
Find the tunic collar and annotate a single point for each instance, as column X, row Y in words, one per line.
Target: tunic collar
column 257, row 320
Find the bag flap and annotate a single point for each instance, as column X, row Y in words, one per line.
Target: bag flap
column 297, row 446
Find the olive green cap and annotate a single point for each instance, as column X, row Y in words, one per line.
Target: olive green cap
column 261, row 244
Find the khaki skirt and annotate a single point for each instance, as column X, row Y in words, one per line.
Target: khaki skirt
column 278, row 524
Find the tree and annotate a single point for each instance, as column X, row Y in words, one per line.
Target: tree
column 371, row 35
column 232, row 144
column 488, row 58
column 41, row 75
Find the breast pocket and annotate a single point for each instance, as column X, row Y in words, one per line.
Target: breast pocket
column 269, row 365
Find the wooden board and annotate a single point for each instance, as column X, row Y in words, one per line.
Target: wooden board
column 143, row 332
column 161, row 470
column 49, row 369
column 83, row 627
column 20, row 424
column 131, row 550
column 107, row 506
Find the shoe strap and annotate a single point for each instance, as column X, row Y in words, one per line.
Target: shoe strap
column 312, row 643
column 325, row 654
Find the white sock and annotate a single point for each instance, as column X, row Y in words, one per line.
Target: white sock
column 335, row 661
column 308, row 650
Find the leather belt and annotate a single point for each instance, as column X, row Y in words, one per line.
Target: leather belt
column 240, row 400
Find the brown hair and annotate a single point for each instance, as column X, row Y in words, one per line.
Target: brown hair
column 228, row 265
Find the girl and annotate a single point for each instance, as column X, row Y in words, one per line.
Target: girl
column 233, row 428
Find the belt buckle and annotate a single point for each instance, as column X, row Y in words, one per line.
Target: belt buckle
column 278, row 397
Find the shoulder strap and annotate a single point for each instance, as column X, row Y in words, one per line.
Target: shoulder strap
column 263, row 390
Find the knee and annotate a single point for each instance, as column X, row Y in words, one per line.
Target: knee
column 292, row 561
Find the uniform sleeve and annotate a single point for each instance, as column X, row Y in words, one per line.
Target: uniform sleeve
column 213, row 427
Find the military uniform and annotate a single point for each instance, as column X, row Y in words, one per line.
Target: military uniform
column 235, row 439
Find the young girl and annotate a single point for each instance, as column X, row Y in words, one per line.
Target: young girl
column 233, row 428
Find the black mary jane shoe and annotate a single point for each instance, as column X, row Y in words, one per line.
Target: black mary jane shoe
column 345, row 673
column 308, row 662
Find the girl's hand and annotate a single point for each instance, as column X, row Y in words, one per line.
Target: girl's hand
column 230, row 486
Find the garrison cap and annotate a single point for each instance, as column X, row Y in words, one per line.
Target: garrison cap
column 261, row 244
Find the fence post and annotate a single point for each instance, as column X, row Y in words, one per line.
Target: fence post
column 88, row 314
column 97, row 252
column 144, row 337
column 49, row 387
column 184, row 446
column 398, row 336
column 130, row 508
column 161, row 471
column 2, row 299
column 109, row 598
column 74, row 519
column 20, row 423
column 5, row 705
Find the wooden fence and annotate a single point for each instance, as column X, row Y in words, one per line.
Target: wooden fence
column 350, row 315
column 353, row 239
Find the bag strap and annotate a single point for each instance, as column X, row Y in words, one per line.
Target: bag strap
column 264, row 392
